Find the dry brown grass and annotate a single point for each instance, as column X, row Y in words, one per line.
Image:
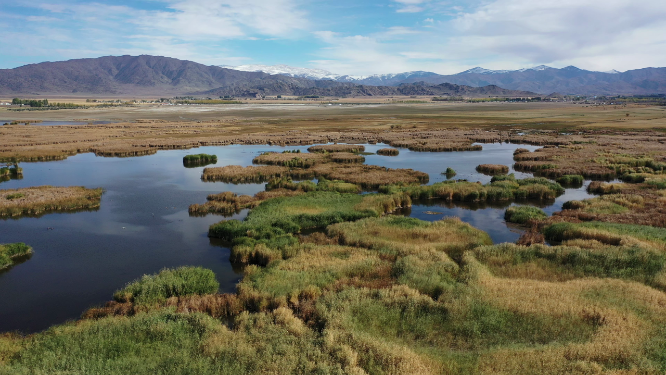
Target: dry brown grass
column 337, row 148
column 40, row 199
column 303, row 160
column 620, row 335
column 346, row 158
column 370, row 176
column 366, row 176
column 237, row 174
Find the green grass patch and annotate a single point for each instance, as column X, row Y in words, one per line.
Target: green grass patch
column 558, row 263
column 573, row 180
column 14, row 196
column 9, row 252
column 608, row 233
column 404, row 236
column 523, row 214
column 199, row 160
column 504, row 189
column 183, row 281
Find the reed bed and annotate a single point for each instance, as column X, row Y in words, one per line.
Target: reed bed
column 504, row 189
column 575, row 260
column 346, row 158
column 572, row 180
column 608, row 233
column 388, row 152
column 370, row 176
column 274, row 221
column 405, row 236
column 155, row 289
column 492, row 169
column 305, row 186
column 524, row 214
column 449, row 172
column 291, row 159
column 237, row 174
column 199, row 160
column 226, row 203
column 337, row 148
column 443, row 145
column 9, row 252
column 41, row 199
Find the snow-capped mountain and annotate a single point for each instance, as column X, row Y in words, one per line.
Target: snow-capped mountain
column 320, row 74
column 541, row 79
column 289, row 71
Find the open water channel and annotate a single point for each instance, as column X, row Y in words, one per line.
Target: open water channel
column 143, row 224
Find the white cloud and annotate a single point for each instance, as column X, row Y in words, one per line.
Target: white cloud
column 410, row 6
column 200, row 19
column 593, row 34
column 510, row 34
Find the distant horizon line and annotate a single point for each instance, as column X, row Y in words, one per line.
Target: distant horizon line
column 227, row 66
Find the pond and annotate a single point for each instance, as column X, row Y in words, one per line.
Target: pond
column 143, row 224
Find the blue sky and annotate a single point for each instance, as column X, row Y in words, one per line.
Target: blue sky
column 344, row 36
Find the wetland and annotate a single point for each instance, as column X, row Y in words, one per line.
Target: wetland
column 399, row 239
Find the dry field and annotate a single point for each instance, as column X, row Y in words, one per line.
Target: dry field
column 429, row 127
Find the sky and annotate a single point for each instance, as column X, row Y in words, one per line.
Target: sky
column 356, row 37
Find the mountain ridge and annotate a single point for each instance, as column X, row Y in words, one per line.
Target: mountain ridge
column 157, row 75
column 540, row 79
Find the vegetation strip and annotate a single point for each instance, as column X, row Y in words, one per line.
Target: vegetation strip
column 41, row 199
column 9, row 252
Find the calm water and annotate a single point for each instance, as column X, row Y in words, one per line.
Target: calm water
column 143, row 225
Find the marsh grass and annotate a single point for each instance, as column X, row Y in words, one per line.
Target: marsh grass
column 492, row 169
column 567, row 262
column 366, row 176
column 500, row 189
column 346, row 158
column 41, row 199
column 237, row 174
column 154, row 289
column 523, row 214
column 291, row 159
column 608, row 233
column 398, row 235
column 571, row 180
column 199, row 159
column 388, row 152
column 611, row 204
column 279, row 218
column 450, row 172
column 9, row 252
column 337, row 148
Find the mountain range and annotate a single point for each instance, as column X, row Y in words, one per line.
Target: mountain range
column 540, row 79
column 164, row 76
column 155, row 75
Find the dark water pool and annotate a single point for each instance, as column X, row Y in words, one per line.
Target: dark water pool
column 143, row 225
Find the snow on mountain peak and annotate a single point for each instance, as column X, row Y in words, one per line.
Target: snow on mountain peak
column 285, row 70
